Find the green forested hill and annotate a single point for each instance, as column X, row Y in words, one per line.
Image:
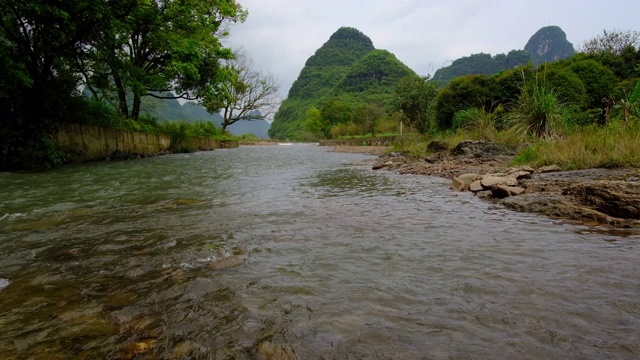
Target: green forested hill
column 372, row 79
column 321, row 73
column 346, row 68
column 330, row 63
column 482, row 64
column 546, row 45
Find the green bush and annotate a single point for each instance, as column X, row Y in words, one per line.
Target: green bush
column 537, row 112
column 471, row 91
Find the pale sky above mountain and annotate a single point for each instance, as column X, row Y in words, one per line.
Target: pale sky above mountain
column 280, row 35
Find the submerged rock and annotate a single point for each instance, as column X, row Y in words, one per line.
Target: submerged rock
column 269, row 351
column 136, row 349
column 3, row 283
column 224, row 263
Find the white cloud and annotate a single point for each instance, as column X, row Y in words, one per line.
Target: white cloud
column 280, row 35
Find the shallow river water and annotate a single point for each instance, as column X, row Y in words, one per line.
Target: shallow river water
column 333, row 261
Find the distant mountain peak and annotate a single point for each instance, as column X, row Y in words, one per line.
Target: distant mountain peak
column 549, row 44
column 546, row 45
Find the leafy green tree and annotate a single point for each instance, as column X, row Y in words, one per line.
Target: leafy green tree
column 509, row 83
column 368, row 115
column 414, row 98
column 471, row 91
column 599, row 82
column 612, row 41
column 39, row 41
column 161, row 46
column 566, row 85
column 315, row 124
column 619, row 50
column 336, row 112
column 245, row 94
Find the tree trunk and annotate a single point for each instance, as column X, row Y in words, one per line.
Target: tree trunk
column 122, row 95
column 135, row 108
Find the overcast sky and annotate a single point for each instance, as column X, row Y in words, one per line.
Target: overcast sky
column 280, row 35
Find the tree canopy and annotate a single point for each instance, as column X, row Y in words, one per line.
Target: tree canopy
column 120, row 50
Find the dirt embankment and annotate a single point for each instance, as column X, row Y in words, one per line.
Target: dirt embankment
column 591, row 196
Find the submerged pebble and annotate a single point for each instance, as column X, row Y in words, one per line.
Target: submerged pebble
column 3, row 283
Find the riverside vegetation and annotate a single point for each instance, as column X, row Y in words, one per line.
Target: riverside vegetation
column 126, row 56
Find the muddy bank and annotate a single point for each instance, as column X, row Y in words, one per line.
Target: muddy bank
column 592, row 196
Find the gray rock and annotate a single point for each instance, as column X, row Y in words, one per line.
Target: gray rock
column 520, row 174
column 462, row 182
column 485, row 195
column 481, row 149
column 489, row 181
column 526, row 168
column 633, row 179
column 3, row 283
column 476, row 186
column 437, row 146
column 615, row 198
column 224, row 263
column 549, row 168
column 503, row 191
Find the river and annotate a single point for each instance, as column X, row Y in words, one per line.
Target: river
column 336, row 261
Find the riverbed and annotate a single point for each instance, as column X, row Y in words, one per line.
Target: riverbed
column 335, row 261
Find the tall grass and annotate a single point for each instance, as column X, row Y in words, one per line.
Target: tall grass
column 538, row 112
column 613, row 145
column 477, row 122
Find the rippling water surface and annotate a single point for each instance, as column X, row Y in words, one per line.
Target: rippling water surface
column 332, row 261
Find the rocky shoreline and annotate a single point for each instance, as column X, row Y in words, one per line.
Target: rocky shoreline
column 592, row 196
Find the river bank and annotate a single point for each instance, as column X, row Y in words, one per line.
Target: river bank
column 590, row 196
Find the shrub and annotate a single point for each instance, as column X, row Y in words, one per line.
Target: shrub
column 537, row 112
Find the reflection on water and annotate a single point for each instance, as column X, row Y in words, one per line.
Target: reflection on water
column 295, row 252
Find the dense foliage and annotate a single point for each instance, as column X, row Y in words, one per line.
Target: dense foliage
column 120, row 50
column 482, row 64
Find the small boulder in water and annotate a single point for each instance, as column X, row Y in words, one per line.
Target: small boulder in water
column 3, row 283
column 224, row 263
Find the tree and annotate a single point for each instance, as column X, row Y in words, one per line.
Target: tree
column 619, row 50
column 38, row 41
column 368, row 116
column 160, row 47
column 246, row 94
column 615, row 42
column 414, row 97
column 336, row 112
column 471, row 91
column 315, row 124
column 599, row 82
